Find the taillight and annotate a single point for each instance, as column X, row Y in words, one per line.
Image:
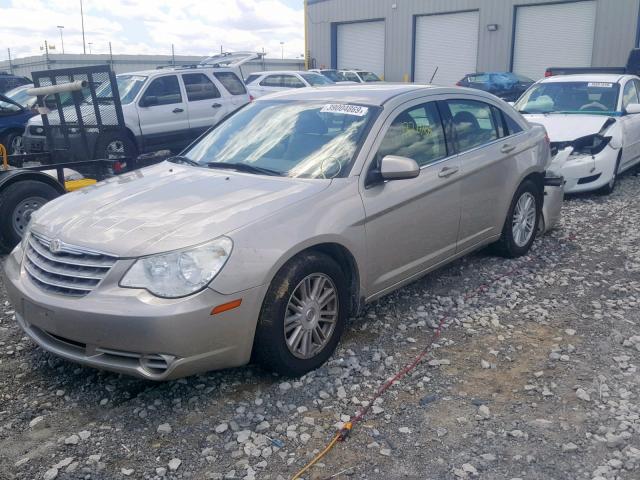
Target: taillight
column 548, row 73
column 251, row 98
column 459, row 84
column 118, row 167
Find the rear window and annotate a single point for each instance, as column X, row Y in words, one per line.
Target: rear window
column 231, row 82
column 251, row 78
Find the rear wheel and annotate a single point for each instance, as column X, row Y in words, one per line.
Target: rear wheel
column 17, row 203
column 302, row 316
column 521, row 225
column 115, row 145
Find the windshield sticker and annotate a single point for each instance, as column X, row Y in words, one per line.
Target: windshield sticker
column 356, row 110
column 600, row 85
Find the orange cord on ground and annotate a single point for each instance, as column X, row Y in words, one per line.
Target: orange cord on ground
column 5, row 160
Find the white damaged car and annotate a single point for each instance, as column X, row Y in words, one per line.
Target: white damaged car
column 593, row 122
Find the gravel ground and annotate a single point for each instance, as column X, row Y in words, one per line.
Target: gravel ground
column 534, row 377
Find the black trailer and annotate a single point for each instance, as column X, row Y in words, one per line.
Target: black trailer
column 28, row 181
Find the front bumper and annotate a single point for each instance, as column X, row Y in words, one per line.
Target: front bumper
column 552, row 206
column 587, row 173
column 132, row 332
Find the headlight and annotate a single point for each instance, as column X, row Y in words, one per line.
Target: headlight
column 590, row 145
column 179, row 273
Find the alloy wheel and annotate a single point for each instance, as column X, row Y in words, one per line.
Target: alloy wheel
column 524, row 219
column 311, row 316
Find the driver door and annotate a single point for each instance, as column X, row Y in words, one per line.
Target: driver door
column 411, row 225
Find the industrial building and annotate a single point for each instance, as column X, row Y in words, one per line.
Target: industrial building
column 417, row 40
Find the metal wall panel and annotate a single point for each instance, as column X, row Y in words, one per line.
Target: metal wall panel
column 615, row 31
column 360, row 45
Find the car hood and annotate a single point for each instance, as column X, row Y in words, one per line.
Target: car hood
column 567, row 127
column 70, row 115
column 166, row 207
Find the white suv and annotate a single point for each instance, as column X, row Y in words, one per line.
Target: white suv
column 163, row 109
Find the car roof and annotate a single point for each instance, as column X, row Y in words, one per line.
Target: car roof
column 368, row 93
column 586, row 77
column 280, row 72
column 180, row 69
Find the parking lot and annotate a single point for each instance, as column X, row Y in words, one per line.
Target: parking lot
column 534, row 377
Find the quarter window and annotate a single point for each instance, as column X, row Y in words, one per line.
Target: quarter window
column 271, row 81
column 473, row 124
column 629, row 94
column 416, row 133
column 231, row 82
column 166, row 90
column 513, row 127
column 199, row 87
column 289, row 81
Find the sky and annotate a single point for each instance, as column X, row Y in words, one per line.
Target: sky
column 195, row 27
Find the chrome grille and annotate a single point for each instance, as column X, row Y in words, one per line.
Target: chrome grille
column 69, row 270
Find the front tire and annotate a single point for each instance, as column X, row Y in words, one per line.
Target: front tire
column 611, row 186
column 13, row 143
column 17, row 202
column 521, row 225
column 115, row 145
column 302, row 316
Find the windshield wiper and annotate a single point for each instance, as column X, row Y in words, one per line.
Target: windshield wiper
column 183, row 160
column 244, row 167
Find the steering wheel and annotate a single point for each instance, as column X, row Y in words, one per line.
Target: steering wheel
column 592, row 105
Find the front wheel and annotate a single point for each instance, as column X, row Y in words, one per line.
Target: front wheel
column 611, row 186
column 13, row 143
column 521, row 225
column 302, row 316
column 115, row 145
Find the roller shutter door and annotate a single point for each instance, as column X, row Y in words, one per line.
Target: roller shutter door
column 361, row 45
column 448, row 42
column 558, row 35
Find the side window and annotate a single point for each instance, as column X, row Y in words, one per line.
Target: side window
column 512, row 126
column 473, row 123
column 415, row 133
column 271, row 81
column 199, row 87
column 231, row 82
column 290, row 81
column 629, row 94
column 352, row 77
column 165, row 90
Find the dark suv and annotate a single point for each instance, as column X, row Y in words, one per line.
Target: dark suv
column 9, row 81
column 506, row 85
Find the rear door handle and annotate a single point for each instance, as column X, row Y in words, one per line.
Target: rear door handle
column 216, row 105
column 447, row 172
column 506, row 148
column 178, row 110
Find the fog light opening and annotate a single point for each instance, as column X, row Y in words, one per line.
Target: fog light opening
column 156, row 363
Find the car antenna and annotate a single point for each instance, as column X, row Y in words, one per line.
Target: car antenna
column 434, row 74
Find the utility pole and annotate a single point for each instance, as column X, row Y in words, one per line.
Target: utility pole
column 173, row 55
column 110, row 56
column 282, row 50
column 90, row 43
column 306, row 40
column 84, row 47
column 10, row 64
column 46, row 54
column 60, row 27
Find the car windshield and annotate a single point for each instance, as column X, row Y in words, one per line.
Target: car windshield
column 20, row 95
column 128, row 87
column 7, row 106
column 570, row 97
column 315, row 79
column 299, row 139
column 369, row 77
column 332, row 75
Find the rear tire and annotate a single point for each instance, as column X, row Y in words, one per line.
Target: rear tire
column 285, row 320
column 17, row 202
column 521, row 225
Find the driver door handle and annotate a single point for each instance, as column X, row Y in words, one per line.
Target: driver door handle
column 216, row 105
column 447, row 172
column 506, row 148
column 178, row 110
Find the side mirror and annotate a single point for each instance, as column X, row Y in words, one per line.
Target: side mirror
column 149, row 101
column 632, row 108
column 393, row 167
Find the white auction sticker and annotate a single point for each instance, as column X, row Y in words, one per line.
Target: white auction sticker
column 600, row 84
column 356, row 110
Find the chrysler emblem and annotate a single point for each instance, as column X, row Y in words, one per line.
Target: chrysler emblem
column 55, row 246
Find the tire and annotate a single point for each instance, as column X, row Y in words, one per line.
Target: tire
column 511, row 245
column 17, row 202
column 271, row 349
column 114, row 145
column 13, row 143
column 611, row 186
